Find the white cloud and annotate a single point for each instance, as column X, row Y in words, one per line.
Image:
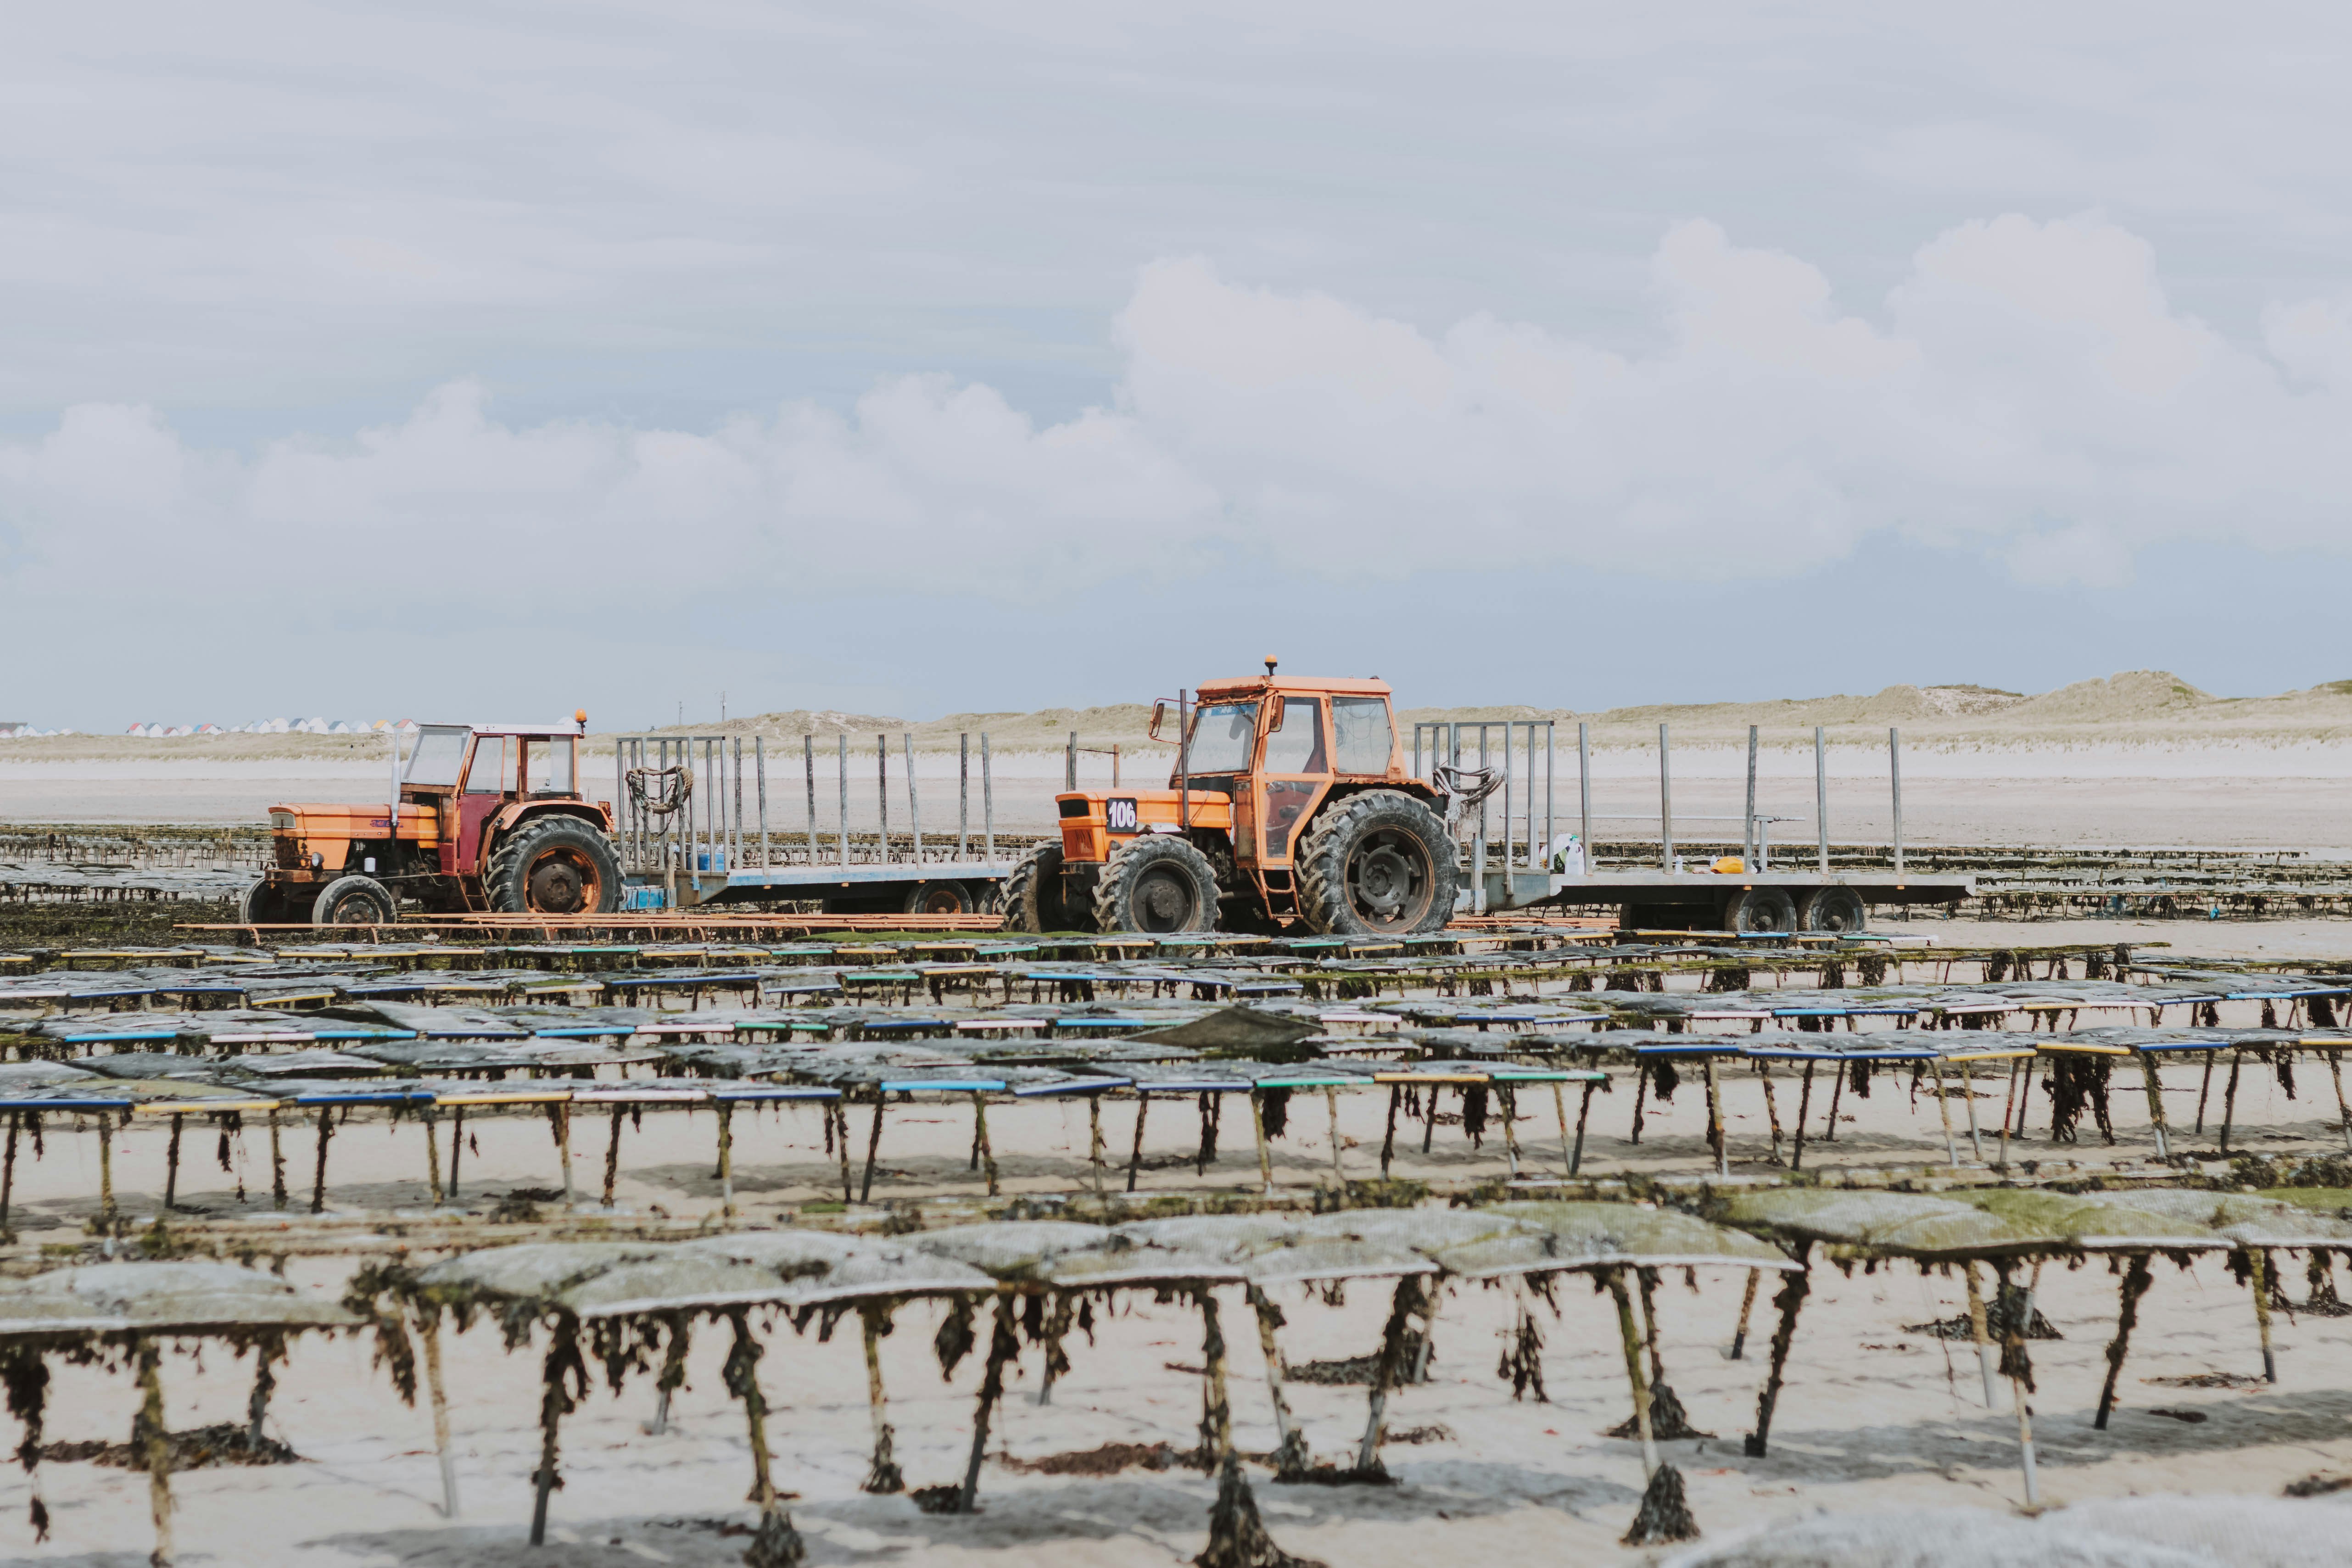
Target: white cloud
column 2028, row 392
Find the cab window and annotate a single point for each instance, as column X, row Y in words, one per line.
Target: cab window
column 1296, row 743
column 494, row 765
column 437, row 757
column 1361, row 740
column 547, row 766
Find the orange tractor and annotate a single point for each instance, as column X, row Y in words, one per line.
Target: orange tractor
column 489, row 816
column 1289, row 802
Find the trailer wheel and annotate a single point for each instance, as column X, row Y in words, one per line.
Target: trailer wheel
column 354, row 901
column 938, row 898
column 1836, row 910
column 1376, row 865
column 1033, row 892
column 1158, row 883
column 1760, row 909
column 553, row 866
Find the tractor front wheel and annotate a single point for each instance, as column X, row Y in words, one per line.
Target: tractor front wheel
column 1159, row 885
column 354, row 901
column 1033, row 892
column 1377, row 865
column 553, row 866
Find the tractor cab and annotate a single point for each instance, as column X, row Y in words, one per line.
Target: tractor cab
column 490, row 818
column 1288, row 800
column 479, row 779
column 1277, row 746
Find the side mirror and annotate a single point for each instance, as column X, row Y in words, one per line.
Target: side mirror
column 1158, row 714
column 1281, row 713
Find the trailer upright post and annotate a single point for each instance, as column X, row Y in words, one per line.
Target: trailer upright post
column 1584, row 791
column 1894, row 779
column 1665, row 806
column 1748, row 856
column 914, row 801
column 1822, row 796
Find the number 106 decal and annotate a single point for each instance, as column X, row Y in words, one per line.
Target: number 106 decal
column 1118, row 816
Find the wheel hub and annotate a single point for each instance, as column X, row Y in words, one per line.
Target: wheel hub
column 1162, row 903
column 1386, row 876
column 556, row 885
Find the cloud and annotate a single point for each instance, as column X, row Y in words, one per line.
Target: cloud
column 2027, row 392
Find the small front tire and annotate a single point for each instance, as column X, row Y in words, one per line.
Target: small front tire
column 1158, row 884
column 355, row 900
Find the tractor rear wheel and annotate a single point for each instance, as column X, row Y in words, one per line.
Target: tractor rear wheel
column 1377, row 865
column 1033, row 892
column 1159, row 885
column 553, row 866
column 354, row 901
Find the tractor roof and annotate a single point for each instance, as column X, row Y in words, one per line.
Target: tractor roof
column 550, row 730
column 1256, row 686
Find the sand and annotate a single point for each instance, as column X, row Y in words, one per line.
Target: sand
column 2178, row 794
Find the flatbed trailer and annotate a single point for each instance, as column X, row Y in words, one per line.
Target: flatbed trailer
column 696, row 825
column 1663, row 900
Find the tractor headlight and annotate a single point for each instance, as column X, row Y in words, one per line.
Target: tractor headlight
column 281, row 821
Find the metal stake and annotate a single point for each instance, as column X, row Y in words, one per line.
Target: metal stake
column 1665, row 806
column 1821, row 796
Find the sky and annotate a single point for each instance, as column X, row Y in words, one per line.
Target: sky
column 502, row 359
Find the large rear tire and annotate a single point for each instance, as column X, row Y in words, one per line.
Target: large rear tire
column 1377, row 865
column 1033, row 894
column 355, row 900
column 1158, row 884
column 553, row 866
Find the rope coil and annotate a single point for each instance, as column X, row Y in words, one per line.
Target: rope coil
column 659, row 791
column 1468, row 786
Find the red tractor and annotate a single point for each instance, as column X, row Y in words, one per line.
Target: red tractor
column 1289, row 802
column 490, row 817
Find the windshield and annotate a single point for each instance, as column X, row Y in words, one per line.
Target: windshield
column 1223, row 733
column 1360, row 734
column 437, row 757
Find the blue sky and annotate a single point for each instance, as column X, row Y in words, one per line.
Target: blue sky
column 923, row 358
